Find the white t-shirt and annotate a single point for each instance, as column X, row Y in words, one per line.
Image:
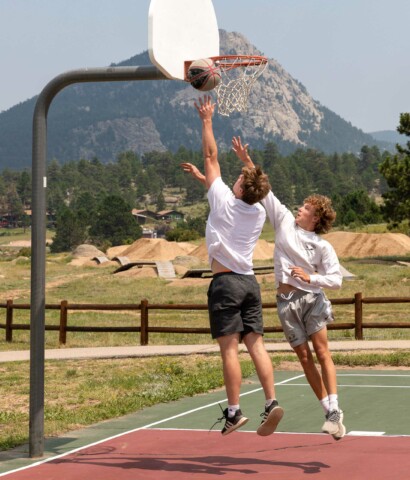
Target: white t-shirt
column 232, row 229
column 301, row 248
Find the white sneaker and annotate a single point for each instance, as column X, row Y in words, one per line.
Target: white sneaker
column 342, row 429
column 331, row 425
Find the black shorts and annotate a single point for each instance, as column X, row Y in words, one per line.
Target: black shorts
column 234, row 305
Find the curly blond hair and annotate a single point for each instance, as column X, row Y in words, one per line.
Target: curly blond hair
column 255, row 185
column 324, row 210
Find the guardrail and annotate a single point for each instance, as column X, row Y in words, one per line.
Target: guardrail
column 144, row 307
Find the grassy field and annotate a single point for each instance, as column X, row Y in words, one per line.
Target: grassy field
column 97, row 390
column 100, row 389
column 98, row 285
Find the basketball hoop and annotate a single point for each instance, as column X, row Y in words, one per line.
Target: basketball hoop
column 238, row 74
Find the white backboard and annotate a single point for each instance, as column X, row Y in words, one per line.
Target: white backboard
column 181, row 30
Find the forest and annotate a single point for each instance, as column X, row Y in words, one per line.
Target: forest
column 90, row 196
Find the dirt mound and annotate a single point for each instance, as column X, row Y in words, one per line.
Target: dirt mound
column 88, row 251
column 263, row 251
column 188, row 261
column 156, row 249
column 116, row 251
column 187, row 247
column 201, row 252
column 359, row 245
column 145, row 272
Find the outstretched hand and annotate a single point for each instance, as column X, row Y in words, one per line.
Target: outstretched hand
column 241, row 151
column 206, row 107
column 194, row 171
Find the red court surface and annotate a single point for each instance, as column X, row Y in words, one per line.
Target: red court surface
column 168, row 454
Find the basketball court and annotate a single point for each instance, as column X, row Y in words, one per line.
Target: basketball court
column 175, row 438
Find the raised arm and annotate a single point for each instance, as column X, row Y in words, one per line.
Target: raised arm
column 209, row 148
column 194, row 171
column 241, row 152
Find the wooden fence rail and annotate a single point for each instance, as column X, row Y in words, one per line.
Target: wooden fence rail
column 144, row 307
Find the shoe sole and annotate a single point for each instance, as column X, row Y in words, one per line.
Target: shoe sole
column 334, row 431
column 340, row 433
column 331, row 432
column 237, row 425
column 270, row 424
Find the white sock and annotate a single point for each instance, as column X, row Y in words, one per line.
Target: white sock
column 232, row 410
column 325, row 404
column 333, row 402
column 269, row 401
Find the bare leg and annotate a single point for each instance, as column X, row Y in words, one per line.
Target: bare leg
column 264, row 368
column 232, row 373
column 313, row 375
column 260, row 357
column 320, row 344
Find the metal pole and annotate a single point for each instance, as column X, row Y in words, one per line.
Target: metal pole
column 38, row 228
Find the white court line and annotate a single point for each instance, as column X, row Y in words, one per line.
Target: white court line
column 49, row 459
column 369, row 375
column 361, row 433
column 345, row 385
column 352, row 433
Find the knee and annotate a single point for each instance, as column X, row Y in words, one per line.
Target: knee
column 323, row 355
column 305, row 358
column 254, row 343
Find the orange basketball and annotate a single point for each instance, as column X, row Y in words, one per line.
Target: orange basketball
column 204, row 75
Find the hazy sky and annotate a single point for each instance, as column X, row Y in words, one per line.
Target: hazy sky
column 352, row 55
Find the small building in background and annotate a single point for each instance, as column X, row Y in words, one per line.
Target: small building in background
column 170, row 215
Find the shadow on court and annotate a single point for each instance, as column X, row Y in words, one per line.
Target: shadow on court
column 173, row 440
column 163, row 454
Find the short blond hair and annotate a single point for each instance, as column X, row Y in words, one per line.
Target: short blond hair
column 255, row 185
column 323, row 210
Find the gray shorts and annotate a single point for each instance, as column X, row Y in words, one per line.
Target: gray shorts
column 302, row 314
column 234, row 305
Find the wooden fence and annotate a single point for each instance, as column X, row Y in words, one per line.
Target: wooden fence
column 144, row 307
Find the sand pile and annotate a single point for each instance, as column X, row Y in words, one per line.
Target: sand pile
column 116, row 251
column 359, row 245
column 156, row 249
column 201, row 252
column 263, row 250
column 83, row 254
column 145, row 272
column 346, row 244
column 88, row 251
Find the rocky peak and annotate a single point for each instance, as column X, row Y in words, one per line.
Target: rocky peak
column 278, row 104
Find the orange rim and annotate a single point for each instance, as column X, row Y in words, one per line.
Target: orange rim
column 228, row 62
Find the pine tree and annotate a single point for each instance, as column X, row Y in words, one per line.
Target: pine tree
column 396, row 170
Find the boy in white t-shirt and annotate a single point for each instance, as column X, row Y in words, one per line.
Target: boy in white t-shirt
column 304, row 264
column 234, row 224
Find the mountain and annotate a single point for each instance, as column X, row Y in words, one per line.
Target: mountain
column 390, row 136
column 102, row 119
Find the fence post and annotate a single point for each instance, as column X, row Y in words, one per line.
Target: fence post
column 9, row 321
column 63, row 322
column 358, row 316
column 144, row 322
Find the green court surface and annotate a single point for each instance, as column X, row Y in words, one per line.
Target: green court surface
column 375, row 403
column 372, row 401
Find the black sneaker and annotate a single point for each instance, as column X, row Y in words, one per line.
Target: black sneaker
column 231, row 423
column 271, row 417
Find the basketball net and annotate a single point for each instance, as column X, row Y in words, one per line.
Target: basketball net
column 238, row 75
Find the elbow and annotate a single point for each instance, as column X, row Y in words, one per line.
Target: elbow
column 338, row 283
